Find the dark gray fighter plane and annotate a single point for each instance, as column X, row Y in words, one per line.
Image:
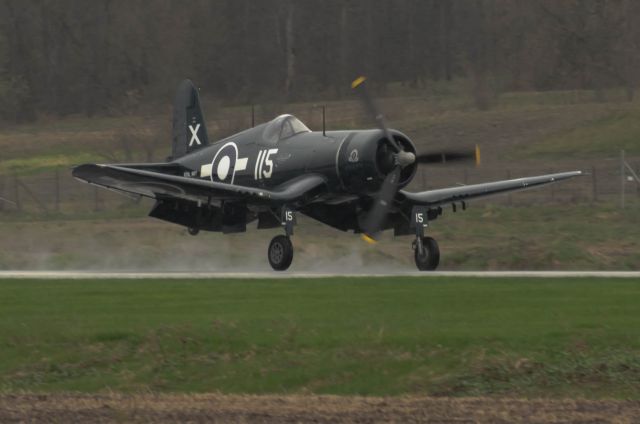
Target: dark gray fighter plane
column 349, row 180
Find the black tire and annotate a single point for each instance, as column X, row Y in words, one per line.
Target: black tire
column 430, row 259
column 193, row 231
column 280, row 253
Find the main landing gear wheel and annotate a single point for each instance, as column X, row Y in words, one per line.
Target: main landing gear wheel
column 193, row 231
column 280, row 253
column 429, row 259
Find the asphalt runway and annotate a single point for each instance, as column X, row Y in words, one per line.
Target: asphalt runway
column 70, row 275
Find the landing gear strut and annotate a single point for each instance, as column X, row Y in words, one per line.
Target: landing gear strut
column 426, row 250
column 281, row 249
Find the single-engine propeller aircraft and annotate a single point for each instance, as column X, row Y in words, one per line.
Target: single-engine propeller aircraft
column 349, row 180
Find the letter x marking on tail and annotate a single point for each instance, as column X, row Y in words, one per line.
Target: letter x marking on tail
column 194, row 135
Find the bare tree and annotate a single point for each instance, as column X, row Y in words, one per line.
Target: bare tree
column 60, row 57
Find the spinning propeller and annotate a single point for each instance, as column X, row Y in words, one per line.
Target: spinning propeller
column 400, row 158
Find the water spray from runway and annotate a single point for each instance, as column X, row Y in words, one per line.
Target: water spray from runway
column 145, row 245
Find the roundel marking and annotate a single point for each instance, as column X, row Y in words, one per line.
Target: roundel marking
column 224, row 163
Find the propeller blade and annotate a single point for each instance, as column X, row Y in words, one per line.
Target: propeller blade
column 450, row 156
column 372, row 109
column 378, row 213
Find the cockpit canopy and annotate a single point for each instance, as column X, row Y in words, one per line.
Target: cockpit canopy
column 281, row 128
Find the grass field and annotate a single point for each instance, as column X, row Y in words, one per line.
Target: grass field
column 521, row 126
column 490, row 237
column 445, row 336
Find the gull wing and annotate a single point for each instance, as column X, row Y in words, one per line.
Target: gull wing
column 461, row 193
column 157, row 185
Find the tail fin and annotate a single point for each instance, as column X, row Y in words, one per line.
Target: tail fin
column 189, row 130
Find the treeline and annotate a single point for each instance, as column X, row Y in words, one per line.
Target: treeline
column 61, row 57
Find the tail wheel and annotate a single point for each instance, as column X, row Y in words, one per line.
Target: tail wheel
column 430, row 257
column 280, row 253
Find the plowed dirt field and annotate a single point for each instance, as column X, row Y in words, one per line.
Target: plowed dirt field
column 149, row 408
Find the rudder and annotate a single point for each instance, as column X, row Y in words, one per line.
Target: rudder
column 189, row 129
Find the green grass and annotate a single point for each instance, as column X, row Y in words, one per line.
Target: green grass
column 46, row 163
column 580, row 236
column 617, row 130
column 446, row 110
column 444, row 336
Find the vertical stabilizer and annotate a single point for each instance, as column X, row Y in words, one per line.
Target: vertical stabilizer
column 189, row 130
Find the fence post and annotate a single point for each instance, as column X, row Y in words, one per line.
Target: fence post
column 324, row 120
column 1, row 193
column 33, row 195
column 16, row 192
column 253, row 115
column 509, row 198
column 594, row 183
column 96, row 197
column 622, row 177
column 57, row 190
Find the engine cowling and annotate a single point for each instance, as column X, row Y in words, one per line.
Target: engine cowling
column 365, row 159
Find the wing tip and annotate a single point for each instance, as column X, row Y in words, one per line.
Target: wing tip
column 79, row 170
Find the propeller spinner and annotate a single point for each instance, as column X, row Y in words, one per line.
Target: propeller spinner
column 401, row 158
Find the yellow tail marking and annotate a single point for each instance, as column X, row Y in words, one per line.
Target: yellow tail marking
column 477, row 155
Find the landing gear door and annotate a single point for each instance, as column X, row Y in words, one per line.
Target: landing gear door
column 419, row 219
column 288, row 220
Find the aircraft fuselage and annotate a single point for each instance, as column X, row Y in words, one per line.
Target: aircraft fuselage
column 349, row 160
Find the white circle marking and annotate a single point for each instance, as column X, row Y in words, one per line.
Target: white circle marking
column 223, row 168
column 232, row 144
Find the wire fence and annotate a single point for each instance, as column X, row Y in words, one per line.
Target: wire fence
column 58, row 193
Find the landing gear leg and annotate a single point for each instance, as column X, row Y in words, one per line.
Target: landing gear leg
column 426, row 249
column 281, row 249
column 198, row 221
